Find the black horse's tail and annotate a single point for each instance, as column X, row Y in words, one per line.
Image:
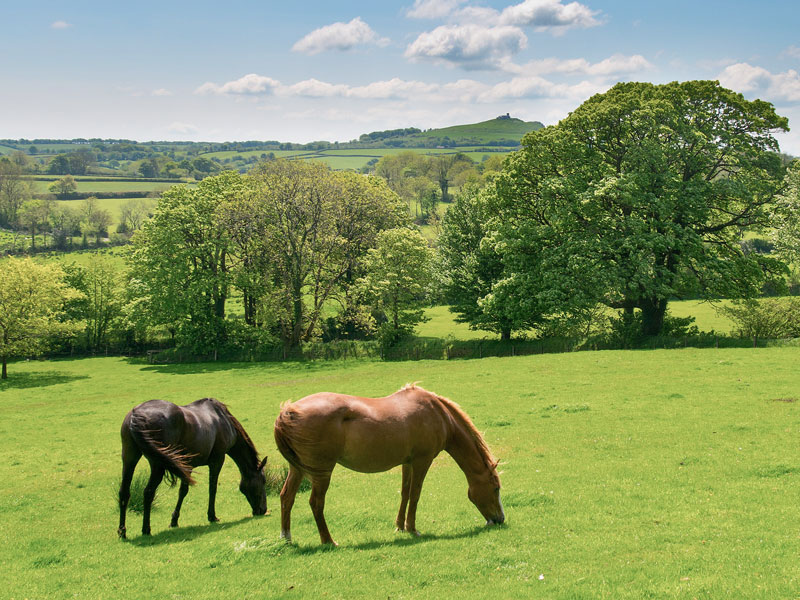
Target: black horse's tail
column 286, row 436
column 175, row 462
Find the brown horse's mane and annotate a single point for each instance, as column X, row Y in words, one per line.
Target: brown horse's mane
column 462, row 418
column 223, row 411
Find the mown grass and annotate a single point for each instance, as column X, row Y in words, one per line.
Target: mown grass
column 639, row 474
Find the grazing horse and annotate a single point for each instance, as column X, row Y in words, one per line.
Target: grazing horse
column 409, row 428
column 175, row 439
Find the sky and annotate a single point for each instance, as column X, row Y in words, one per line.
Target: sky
column 321, row 70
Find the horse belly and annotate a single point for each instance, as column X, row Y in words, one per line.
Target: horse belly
column 370, row 449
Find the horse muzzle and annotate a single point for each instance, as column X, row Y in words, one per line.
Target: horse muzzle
column 498, row 520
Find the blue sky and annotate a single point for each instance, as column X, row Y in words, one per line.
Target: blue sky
column 332, row 70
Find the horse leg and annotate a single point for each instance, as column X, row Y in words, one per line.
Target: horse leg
column 319, row 487
column 184, row 489
column 419, row 469
column 214, row 467
column 400, row 521
column 156, row 475
column 288, row 493
column 130, row 456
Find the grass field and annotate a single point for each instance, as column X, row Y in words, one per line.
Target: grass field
column 639, row 474
column 112, row 205
column 441, row 322
column 355, row 159
column 43, row 187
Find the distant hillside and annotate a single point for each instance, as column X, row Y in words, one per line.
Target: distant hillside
column 502, row 131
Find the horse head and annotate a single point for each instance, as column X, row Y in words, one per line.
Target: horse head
column 254, row 488
column 484, row 493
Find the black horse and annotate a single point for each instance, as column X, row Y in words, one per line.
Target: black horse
column 175, row 439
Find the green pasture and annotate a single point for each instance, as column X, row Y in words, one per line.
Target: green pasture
column 112, row 205
column 441, row 322
column 6, row 149
column 638, row 474
column 100, row 187
column 355, row 159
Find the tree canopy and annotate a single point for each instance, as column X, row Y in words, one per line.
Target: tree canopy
column 638, row 196
column 32, row 298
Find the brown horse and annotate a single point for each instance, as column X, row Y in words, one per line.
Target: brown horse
column 175, row 439
column 409, row 428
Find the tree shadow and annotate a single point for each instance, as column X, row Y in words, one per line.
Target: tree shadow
column 182, row 534
column 37, row 379
column 401, row 540
column 293, row 366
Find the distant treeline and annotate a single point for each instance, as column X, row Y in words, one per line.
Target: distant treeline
column 388, row 133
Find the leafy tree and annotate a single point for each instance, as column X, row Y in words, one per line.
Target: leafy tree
column 398, row 271
column 314, row 227
column 149, row 168
column 470, row 267
column 133, row 214
column 34, row 215
column 786, row 217
column 64, row 223
column 180, row 261
column 64, row 187
column 59, row 165
column 13, row 191
column 32, row 298
column 100, row 304
column 638, row 196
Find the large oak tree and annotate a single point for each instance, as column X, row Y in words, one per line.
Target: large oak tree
column 639, row 196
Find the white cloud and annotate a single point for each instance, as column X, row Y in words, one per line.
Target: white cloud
column 339, row 36
column 526, row 86
column 616, row 64
column 469, row 46
column 774, row 87
column 433, row 9
column 537, row 87
column 182, row 128
column 541, row 15
column 791, row 52
column 60, row 25
column 161, row 92
column 313, row 88
column 549, row 15
column 250, row 84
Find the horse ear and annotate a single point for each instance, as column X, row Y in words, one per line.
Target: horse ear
column 263, row 464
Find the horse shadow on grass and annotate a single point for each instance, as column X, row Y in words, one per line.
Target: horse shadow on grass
column 37, row 379
column 401, row 540
column 182, row 534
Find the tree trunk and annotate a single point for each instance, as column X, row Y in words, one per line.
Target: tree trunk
column 5, row 370
column 653, row 311
column 505, row 333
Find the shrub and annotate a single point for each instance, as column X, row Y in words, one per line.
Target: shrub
column 769, row 318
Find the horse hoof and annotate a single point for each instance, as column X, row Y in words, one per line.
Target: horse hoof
column 122, row 533
column 173, row 524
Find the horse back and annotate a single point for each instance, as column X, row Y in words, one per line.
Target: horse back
column 363, row 434
column 196, row 429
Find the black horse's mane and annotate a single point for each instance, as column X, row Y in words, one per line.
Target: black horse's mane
column 222, row 410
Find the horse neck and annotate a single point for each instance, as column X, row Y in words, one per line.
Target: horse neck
column 243, row 455
column 462, row 447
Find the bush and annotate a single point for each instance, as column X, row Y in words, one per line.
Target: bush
column 768, row 318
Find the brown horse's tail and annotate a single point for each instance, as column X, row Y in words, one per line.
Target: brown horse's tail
column 285, row 434
column 175, row 462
